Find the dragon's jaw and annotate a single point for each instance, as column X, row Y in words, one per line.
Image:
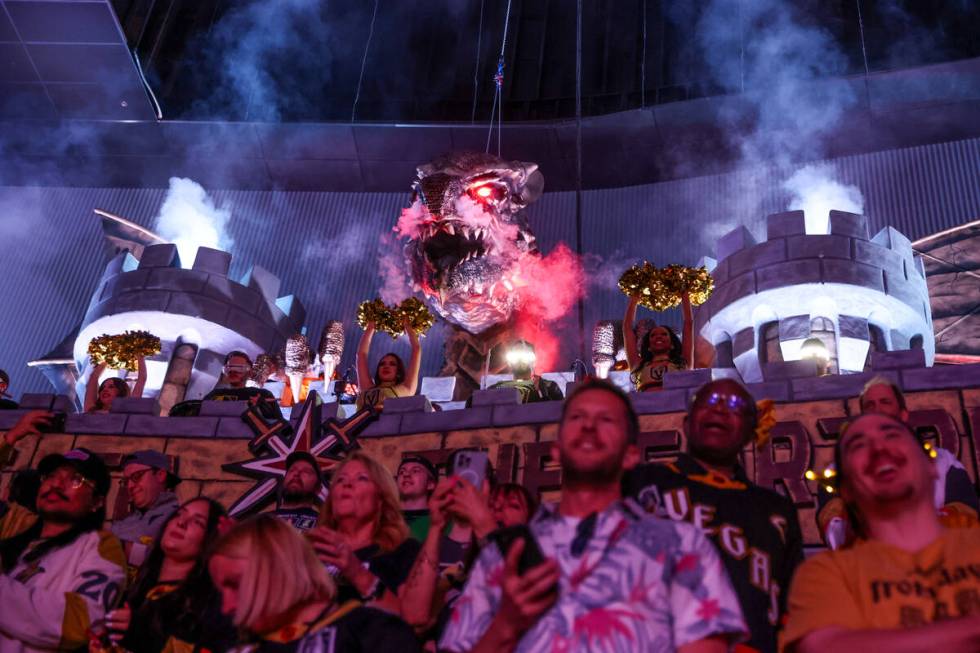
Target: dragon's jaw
column 468, row 274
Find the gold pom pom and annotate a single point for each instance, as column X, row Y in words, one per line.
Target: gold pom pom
column 123, row 351
column 390, row 319
column 419, row 317
column 373, row 310
column 646, row 283
column 661, row 289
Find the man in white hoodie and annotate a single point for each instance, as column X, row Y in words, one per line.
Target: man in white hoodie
column 60, row 576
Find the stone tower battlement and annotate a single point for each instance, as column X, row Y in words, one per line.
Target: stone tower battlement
column 853, row 292
column 199, row 314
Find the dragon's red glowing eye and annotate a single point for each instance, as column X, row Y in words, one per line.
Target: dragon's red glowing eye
column 485, row 193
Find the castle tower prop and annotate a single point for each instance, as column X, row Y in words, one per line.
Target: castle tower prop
column 853, row 292
column 199, row 314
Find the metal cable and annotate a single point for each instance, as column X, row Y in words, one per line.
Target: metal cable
column 476, row 65
column 864, row 54
column 498, row 100
column 643, row 59
column 367, row 46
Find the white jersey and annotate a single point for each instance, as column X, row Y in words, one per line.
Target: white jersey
column 48, row 604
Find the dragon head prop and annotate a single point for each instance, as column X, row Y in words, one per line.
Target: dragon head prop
column 467, row 236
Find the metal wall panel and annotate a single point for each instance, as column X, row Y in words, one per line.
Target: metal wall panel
column 324, row 245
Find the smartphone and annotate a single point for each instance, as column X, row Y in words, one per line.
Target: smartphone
column 531, row 556
column 57, row 424
column 471, row 465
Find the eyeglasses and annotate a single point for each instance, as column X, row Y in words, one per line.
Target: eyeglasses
column 236, row 368
column 136, row 477
column 733, row 402
column 72, row 480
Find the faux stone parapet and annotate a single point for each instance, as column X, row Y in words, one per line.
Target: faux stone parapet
column 789, row 256
column 499, row 408
column 250, row 306
column 135, row 406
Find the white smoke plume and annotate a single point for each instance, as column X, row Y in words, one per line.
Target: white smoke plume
column 814, row 190
column 190, row 219
column 789, row 75
column 391, row 268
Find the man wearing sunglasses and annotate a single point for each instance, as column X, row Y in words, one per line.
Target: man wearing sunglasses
column 756, row 529
column 149, row 484
column 233, row 388
column 62, row 574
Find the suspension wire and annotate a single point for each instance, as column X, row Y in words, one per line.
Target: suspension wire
column 741, row 48
column 643, row 60
column 578, row 164
column 476, row 65
column 367, row 46
column 864, row 53
column 498, row 78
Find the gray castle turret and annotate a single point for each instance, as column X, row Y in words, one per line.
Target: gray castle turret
column 854, row 293
column 199, row 314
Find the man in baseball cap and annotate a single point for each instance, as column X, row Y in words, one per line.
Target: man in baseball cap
column 298, row 491
column 149, row 482
column 58, row 576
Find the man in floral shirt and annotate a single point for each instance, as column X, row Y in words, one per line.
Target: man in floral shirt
column 614, row 578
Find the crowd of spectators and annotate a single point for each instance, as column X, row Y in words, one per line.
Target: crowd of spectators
column 680, row 555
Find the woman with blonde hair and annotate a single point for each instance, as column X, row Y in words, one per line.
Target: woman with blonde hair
column 283, row 599
column 362, row 536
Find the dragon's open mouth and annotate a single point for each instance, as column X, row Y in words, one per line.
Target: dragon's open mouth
column 448, row 246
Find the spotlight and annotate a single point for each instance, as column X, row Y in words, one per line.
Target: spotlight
column 815, row 349
column 520, row 355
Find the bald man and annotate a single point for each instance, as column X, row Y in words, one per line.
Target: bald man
column 756, row 529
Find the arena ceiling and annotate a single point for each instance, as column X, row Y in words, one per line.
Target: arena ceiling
column 259, row 95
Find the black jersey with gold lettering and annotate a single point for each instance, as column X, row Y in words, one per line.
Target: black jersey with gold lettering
column 755, row 529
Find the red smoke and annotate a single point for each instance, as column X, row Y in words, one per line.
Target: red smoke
column 548, row 288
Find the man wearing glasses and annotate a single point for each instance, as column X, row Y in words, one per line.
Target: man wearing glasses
column 149, row 485
column 61, row 575
column 756, row 529
column 232, row 387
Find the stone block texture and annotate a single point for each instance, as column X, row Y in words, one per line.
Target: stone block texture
column 849, row 224
column 789, row 223
column 160, row 256
column 212, row 260
column 735, row 240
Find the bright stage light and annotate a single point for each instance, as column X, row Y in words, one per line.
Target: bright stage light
column 520, row 356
